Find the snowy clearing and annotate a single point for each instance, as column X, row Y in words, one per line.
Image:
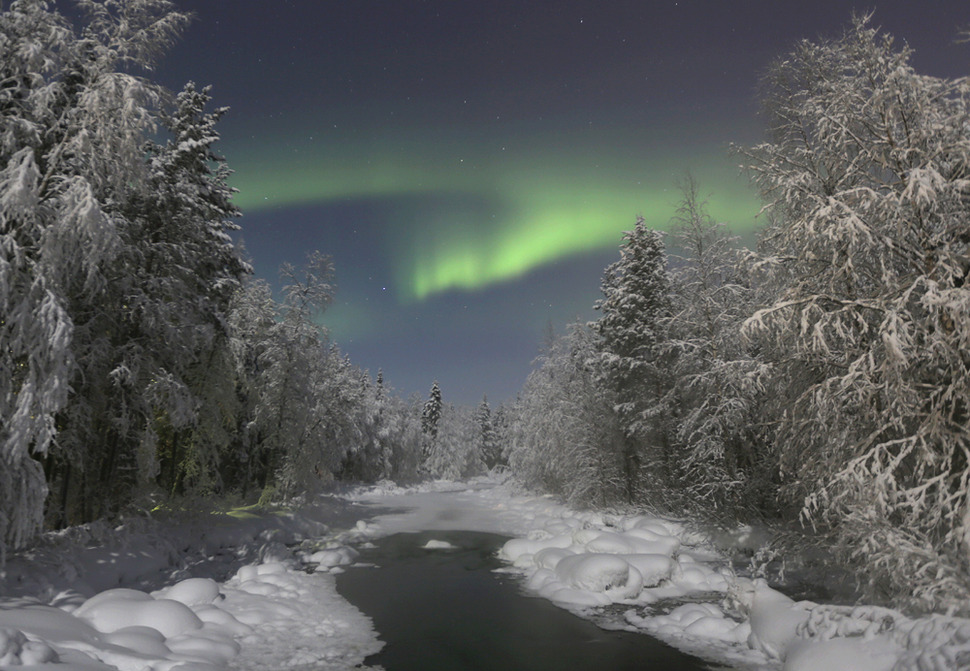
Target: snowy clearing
column 258, row 592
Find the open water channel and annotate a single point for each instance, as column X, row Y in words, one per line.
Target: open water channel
column 445, row 609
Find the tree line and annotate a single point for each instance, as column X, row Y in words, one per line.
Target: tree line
column 139, row 358
column 820, row 382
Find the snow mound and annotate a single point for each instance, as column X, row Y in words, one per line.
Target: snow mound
column 701, row 620
column 332, row 557
column 296, row 619
column 774, row 619
column 17, row 650
column 112, row 612
column 123, row 629
column 191, row 592
column 842, row 654
column 596, row 572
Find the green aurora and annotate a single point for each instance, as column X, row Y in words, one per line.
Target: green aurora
column 506, row 207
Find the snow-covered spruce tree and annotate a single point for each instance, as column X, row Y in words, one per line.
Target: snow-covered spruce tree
column 867, row 170
column 488, row 445
column 72, row 125
column 381, row 417
column 189, row 217
column 721, row 467
column 563, row 433
column 634, row 308
column 431, row 419
column 502, row 429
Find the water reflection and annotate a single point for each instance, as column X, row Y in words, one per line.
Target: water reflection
column 445, row 610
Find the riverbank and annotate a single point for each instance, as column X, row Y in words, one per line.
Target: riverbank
column 183, row 590
column 255, row 589
column 645, row 573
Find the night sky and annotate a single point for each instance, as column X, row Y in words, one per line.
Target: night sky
column 470, row 166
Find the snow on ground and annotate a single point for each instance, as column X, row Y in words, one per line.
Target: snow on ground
column 205, row 593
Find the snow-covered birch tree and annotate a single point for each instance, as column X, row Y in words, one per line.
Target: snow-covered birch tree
column 564, row 435
column 721, row 468
column 289, row 363
column 867, row 172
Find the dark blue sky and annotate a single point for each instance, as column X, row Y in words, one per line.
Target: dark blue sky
column 470, row 166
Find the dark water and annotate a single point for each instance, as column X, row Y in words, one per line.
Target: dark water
column 445, row 610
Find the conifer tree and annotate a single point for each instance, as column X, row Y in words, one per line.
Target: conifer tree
column 488, row 446
column 635, row 307
column 431, row 420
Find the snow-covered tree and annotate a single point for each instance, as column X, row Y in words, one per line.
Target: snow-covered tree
column 867, row 171
column 564, row 436
column 454, row 453
column 385, row 447
column 488, row 442
column 368, row 458
column 721, row 467
column 338, row 431
column 290, row 364
column 431, row 418
column 634, row 308
column 162, row 319
column 252, row 320
column 403, row 437
column 72, row 126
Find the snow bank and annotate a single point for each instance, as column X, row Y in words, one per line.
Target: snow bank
column 637, row 562
column 686, row 594
column 678, row 587
column 123, row 629
column 296, row 619
column 266, row 616
column 269, row 613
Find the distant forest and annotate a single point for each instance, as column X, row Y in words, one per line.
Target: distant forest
column 818, row 384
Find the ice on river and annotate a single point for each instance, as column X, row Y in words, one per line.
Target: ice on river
column 75, row 606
